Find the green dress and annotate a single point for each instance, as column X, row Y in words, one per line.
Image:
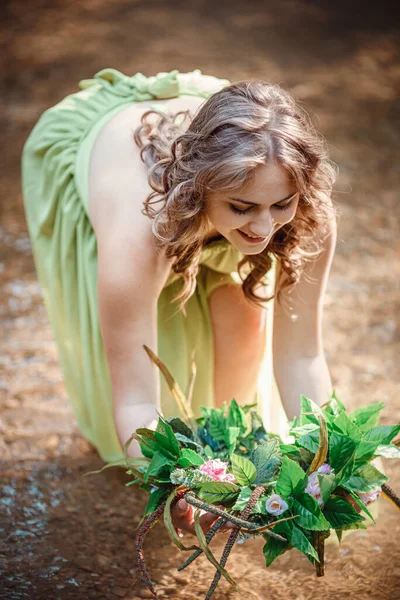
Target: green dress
column 55, row 167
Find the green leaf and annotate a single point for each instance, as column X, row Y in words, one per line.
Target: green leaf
column 334, row 406
column 339, row 512
column 218, row 491
column 189, row 458
column 257, row 426
column 159, row 464
column 236, row 417
column 361, row 504
column 145, row 433
column 165, row 447
column 365, row 451
column 217, row 425
column 147, row 444
column 273, row 548
column 310, row 515
column 383, row 434
column 341, row 447
column 206, row 412
column 347, row 470
column 327, row 483
column 266, row 458
column 166, row 440
column 146, row 487
column 290, row 450
column 310, row 441
column 304, row 429
column 244, row 470
column 356, row 525
column 292, row 480
column 206, row 438
column 313, row 410
column 389, row 451
column 187, row 442
column 146, row 449
column 230, row 439
column 367, row 416
column 156, row 498
column 179, row 426
column 365, row 479
column 343, row 424
column 208, row 452
column 296, row 537
column 243, row 498
column 246, row 408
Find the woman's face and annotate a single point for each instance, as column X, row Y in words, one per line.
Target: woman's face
column 259, row 209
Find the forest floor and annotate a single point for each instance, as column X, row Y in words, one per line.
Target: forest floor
column 65, row 536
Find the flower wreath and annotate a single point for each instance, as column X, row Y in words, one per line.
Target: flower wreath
column 293, row 495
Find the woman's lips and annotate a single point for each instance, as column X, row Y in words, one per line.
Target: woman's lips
column 250, row 240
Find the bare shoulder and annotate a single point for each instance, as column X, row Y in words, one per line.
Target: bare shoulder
column 115, row 158
column 118, row 187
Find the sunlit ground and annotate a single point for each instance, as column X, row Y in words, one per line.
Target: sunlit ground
column 71, row 537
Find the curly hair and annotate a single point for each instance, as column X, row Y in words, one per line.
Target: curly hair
column 242, row 126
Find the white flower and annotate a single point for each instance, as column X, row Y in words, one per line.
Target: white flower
column 313, row 487
column 324, row 469
column 368, row 497
column 275, row 505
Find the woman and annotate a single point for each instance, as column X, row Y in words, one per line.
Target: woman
column 240, row 206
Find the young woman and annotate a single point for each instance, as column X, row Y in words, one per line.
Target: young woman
column 166, row 211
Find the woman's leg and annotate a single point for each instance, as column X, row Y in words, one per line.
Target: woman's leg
column 239, row 344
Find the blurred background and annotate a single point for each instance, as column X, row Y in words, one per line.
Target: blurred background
column 65, row 536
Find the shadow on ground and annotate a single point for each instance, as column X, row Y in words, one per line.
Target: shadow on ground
column 71, row 537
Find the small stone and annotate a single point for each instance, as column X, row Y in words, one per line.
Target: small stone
column 119, row 591
column 145, row 594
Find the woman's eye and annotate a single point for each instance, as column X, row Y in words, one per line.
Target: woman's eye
column 280, row 207
column 238, row 211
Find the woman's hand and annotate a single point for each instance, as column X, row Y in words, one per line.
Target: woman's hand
column 183, row 519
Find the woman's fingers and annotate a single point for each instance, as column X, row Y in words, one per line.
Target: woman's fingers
column 227, row 527
column 183, row 518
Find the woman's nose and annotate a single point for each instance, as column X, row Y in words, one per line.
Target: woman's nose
column 263, row 226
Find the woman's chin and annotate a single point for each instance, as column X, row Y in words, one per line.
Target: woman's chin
column 248, row 251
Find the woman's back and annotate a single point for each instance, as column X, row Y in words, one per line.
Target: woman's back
column 116, row 138
column 85, row 143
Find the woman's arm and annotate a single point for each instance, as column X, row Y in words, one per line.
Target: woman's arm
column 298, row 354
column 131, row 273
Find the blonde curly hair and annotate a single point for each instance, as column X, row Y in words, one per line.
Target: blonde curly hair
column 242, row 126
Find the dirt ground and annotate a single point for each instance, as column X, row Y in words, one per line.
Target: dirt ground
column 66, row 537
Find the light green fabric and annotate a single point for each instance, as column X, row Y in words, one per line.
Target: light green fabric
column 55, row 166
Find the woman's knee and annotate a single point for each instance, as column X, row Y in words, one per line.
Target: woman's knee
column 233, row 315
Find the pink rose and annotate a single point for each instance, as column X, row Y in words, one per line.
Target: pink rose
column 368, row 497
column 216, row 469
column 275, row 505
